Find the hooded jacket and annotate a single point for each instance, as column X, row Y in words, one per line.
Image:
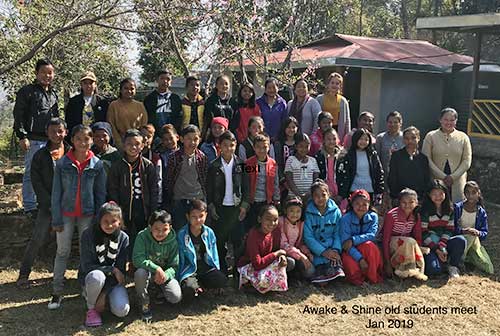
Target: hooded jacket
column 360, row 231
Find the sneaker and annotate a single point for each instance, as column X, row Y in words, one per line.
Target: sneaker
column 93, row 318
column 55, row 302
column 147, row 315
column 453, row 272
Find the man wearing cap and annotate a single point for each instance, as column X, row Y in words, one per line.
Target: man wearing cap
column 87, row 107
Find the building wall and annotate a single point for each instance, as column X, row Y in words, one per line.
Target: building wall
column 370, row 94
column 418, row 96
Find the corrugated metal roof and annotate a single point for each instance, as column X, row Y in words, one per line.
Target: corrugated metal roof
column 343, row 49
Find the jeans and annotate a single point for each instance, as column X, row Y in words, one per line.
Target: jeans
column 64, row 239
column 171, row 289
column 455, row 246
column 38, row 238
column 29, row 197
column 118, row 297
column 211, row 279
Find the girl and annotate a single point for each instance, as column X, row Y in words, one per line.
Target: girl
column 361, row 257
column 219, row 104
column 360, row 168
column 326, row 158
column 102, row 265
column 437, row 231
column 304, row 108
column 264, row 264
column 471, row 220
column 325, row 121
column 301, row 169
column 246, row 149
column 126, row 112
column 273, row 108
column 198, row 258
column 247, row 108
column 322, row 234
column 333, row 101
column 211, row 147
column 292, row 226
column 284, row 147
column 78, row 191
column 402, row 238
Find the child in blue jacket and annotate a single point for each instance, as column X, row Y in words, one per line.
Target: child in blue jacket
column 322, row 233
column 198, row 258
column 471, row 221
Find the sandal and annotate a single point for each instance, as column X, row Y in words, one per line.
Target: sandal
column 23, row 283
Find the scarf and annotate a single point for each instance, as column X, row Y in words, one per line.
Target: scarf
column 106, row 245
column 296, row 111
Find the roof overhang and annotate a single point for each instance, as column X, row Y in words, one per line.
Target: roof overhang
column 488, row 23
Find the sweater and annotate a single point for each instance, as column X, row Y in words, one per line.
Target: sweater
column 441, row 226
column 150, row 254
column 273, row 116
column 310, row 111
column 454, row 148
column 260, row 248
column 243, row 115
column 481, row 220
column 293, row 244
column 407, row 171
column 322, row 231
column 344, row 125
column 360, row 231
column 125, row 115
column 187, row 251
column 397, row 224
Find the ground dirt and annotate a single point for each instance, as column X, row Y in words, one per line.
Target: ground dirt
column 468, row 305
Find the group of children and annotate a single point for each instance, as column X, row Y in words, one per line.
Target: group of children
column 166, row 209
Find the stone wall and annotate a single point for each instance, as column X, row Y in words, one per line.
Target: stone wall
column 485, row 167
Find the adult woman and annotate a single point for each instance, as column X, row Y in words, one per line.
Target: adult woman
column 126, row 112
column 332, row 101
column 304, row 107
column 87, row 107
column 449, row 152
column 272, row 108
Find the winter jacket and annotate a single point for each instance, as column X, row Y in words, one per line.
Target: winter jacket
column 215, row 108
column 322, row 231
column 273, row 116
column 481, row 220
column 216, row 184
column 73, row 114
column 42, row 175
column 296, row 249
column 186, row 111
column 89, row 260
column 187, row 252
column 108, row 157
column 360, row 231
column 151, row 105
column 33, row 110
column 120, row 186
column 408, row 172
column 209, row 149
column 346, row 171
column 310, row 111
column 272, row 182
column 68, row 183
column 150, row 254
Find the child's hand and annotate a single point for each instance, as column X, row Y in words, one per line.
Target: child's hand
column 474, row 232
column 388, row 269
column 307, row 263
column 347, row 245
column 283, row 261
column 331, row 255
column 160, row 276
column 243, row 213
column 363, row 265
column 119, row 276
column 280, row 253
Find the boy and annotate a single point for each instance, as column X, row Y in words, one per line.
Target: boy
column 133, row 184
column 42, row 174
column 198, row 257
column 148, row 131
column 168, row 145
column 102, row 148
column 263, row 180
column 193, row 105
column 36, row 104
column 325, row 121
column 163, row 106
column 156, row 255
column 227, row 194
column 186, row 175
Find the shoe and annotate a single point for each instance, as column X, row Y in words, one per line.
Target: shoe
column 55, row 302
column 147, row 315
column 453, row 272
column 93, row 318
column 23, row 282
